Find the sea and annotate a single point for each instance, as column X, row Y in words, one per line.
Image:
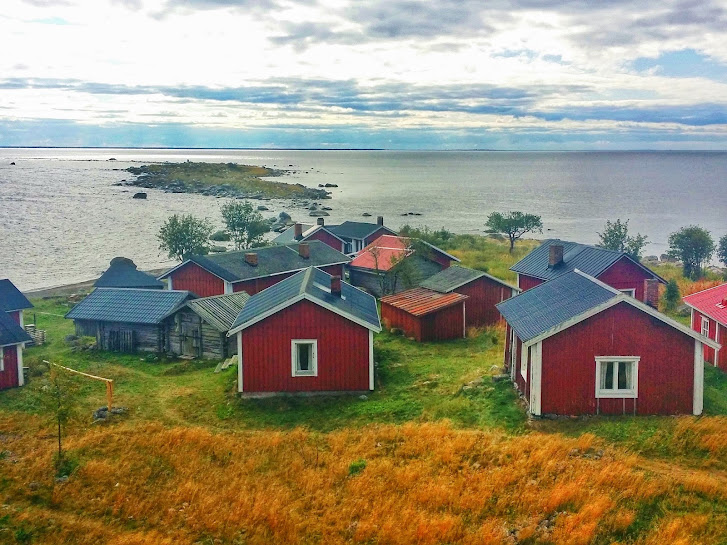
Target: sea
column 62, row 218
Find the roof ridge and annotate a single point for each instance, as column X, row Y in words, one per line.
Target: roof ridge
column 307, row 279
column 595, row 281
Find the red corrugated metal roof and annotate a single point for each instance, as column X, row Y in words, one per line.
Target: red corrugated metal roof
column 382, row 254
column 710, row 302
column 421, row 301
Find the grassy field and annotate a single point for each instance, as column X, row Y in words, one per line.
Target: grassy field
column 439, row 453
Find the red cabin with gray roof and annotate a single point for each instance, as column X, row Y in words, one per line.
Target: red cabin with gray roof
column 12, row 341
column 709, row 317
column 13, row 301
column 483, row 290
column 555, row 257
column 308, row 333
column 577, row 346
column 252, row 270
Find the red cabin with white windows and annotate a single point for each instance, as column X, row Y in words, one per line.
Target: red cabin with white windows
column 12, row 335
column 309, row 333
column 617, row 269
column 252, row 270
column 709, row 317
column 577, row 346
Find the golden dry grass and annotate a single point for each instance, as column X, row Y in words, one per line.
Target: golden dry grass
column 422, row 483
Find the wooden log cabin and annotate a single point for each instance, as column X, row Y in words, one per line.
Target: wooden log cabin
column 128, row 319
column 199, row 328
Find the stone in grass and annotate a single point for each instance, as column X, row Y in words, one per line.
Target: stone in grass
column 102, row 413
column 220, row 236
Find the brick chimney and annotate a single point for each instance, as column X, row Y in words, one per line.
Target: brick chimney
column 336, row 285
column 298, row 231
column 380, row 220
column 321, row 221
column 651, row 292
column 555, row 257
column 251, row 259
column 304, row 250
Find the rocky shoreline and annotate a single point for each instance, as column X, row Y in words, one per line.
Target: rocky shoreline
column 228, row 180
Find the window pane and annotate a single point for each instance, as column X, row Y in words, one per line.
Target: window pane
column 624, row 375
column 607, row 375
column 304, row 357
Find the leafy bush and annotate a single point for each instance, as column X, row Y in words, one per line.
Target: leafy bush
column 356, row 467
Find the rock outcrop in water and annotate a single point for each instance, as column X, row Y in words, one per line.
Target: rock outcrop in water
column 220, row 180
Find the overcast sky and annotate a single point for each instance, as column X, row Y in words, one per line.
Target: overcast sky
column 439, row 74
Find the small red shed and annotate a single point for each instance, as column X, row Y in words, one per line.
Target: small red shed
column 484, row 292
column 12, row 342
column 13, row 301
column 425, row 314
column 578, row 346
column 709, row 317
column 617, row 269
column 309, row 333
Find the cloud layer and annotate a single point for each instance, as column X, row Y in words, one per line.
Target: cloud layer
column 533, row 74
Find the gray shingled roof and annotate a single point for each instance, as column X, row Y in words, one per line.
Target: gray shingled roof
column 122, row 273
column 219, row 311
column 354, row 229
column 552, row 303
column 231, row 266
column 451, row 278
column 11, row 298
column 314, row 285
column 588, row 259
column 288, row 236
column 129, row 305
column 11, row 332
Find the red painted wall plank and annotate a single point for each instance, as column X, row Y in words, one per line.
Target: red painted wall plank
column 709, row 352
column 484, row 294
column 623, row 275
column 9, row 377
column 343, row 351
column 445, row 324
column 15, row 315
column 666, row 368
column 527, row 282
column 251, row 287
column 194, row 278
column 327, row 238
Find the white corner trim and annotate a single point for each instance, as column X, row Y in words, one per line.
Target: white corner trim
column 239, row 361
column 524, row 361
column 21, row 378
column 698, row 399
column 517, row 283
column 632, row 393
column 464, row 319
column 228, row 287
column 169, row 283
column 536, row 379
column 294, row 356
column 513, row 354
column 371, row 360
column 20, row 318
column 716, row 339
column 2, row 358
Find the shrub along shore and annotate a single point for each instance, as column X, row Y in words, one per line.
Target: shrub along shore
column 438, row 453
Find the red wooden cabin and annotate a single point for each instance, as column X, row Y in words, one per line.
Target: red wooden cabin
column 12, row 342
column 483, row 290
column 13, row 301
column 617, row 269
column 578, row 346
column 309, row 333
column 426, row 315
column 253, row 270
column 304, row 232
column 709, row 317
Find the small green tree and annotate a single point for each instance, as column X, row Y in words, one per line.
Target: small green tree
column 183, row 235
column 671, row 296
column 245, row 224
column 57, row 397
column 616, row 236
column 693, row 246
column 514, row 225
column 722, row 250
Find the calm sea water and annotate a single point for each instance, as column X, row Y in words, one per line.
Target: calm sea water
column 62, row 219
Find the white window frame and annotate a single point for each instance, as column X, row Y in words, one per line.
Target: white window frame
column 630, row 291
column 294, row 356
column 630, row 393
column 2, row 358
column 705, row 322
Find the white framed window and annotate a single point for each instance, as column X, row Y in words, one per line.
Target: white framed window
column 2, row 358
column 631, row 292
column 617, row 376
column 304, row 357
column 705, row 326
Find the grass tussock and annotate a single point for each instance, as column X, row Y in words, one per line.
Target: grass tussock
column 425, row 484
